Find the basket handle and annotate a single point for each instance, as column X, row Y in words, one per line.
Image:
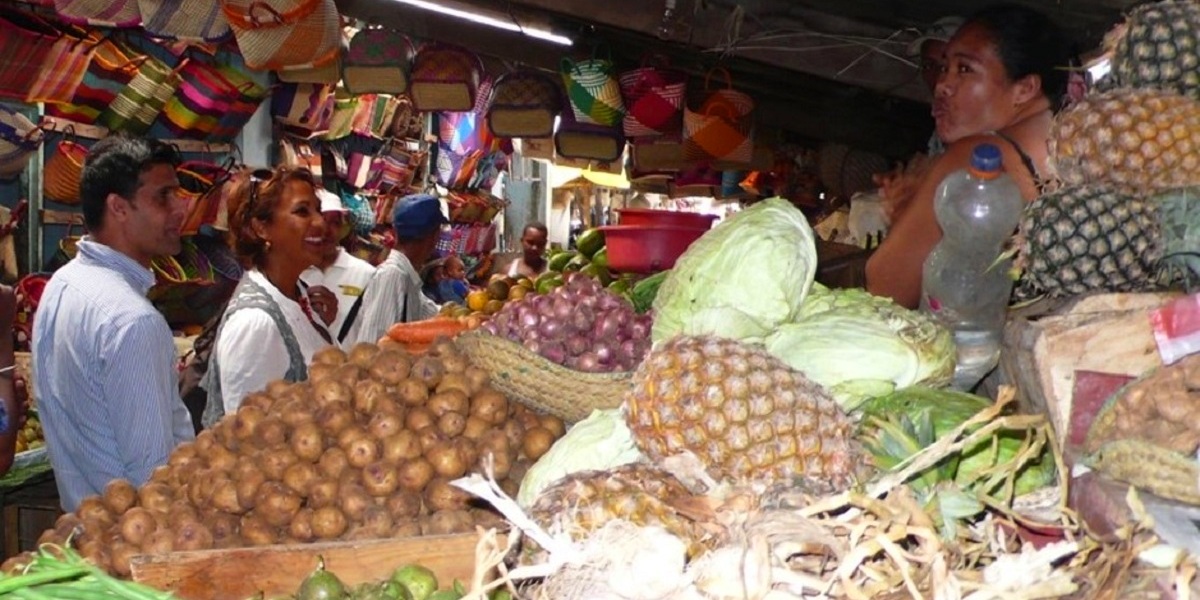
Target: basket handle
column 723, row 70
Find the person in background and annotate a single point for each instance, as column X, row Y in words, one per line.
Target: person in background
column 339, row 274
column 453, row 287
column 104, row 360
column 13, row 405
column 898, row 186
column 1003, row 81
column 432, row 275
column 394, row 293
column 269, row 330
column 533, row 252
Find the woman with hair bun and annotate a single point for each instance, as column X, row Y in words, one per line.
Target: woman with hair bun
column 268, row 330
column 1004, row 77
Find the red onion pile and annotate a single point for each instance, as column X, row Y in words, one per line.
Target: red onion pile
column 580, row 325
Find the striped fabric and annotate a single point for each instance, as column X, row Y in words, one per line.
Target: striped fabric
column 393, row 296
column 109, row 71
column 104, row 369
column 24, row 44
column 137, row 106
column 62, row 71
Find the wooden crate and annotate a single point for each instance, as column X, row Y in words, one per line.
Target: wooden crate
column 1105, row 333
column 278, row 570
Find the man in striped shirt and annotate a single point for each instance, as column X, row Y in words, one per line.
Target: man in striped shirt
column 103, row 357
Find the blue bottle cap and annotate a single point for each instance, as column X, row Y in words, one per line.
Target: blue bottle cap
column 986, row 158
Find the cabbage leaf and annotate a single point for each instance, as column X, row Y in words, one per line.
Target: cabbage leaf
column 741, row 280
column 600, row 442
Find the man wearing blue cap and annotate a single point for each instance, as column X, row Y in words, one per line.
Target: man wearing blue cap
column 394, row 293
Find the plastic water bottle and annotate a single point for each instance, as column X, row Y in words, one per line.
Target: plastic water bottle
column 963, row 283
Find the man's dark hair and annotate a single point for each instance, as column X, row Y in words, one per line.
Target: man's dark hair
column 114, row 166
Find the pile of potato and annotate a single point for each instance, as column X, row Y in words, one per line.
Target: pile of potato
column 366, row 448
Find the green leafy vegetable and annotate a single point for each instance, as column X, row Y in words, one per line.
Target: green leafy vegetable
column 741, row 280
column 601, row 441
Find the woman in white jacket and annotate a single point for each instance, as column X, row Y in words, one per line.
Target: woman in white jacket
column 268, row 330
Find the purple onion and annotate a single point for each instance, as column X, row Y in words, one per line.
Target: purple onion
column 583, row 318
column 605, row 327
column 577, row 344
column 562, row 309
column 550, row 329
column 639, row 330
column 491, row 328
column 588, row 362
column 532, row 345
column 553, row 352
column 604, row 353
column 627, row 351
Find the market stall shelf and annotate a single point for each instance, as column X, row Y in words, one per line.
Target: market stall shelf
column 272, row 570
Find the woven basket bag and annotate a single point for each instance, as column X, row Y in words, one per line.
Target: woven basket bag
column 273, row 34
column 538, row 383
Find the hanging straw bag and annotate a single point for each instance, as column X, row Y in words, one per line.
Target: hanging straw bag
column 408, row 122
column 63, row 170
column 273, row 34
column 108, row 72
column 654, row 97
column 588, row 141
column 25, row 42
column 524, row 104
column 19, row 139
column 326, row 71
column 593, row 91
column 99, row 13
column 377, row 62
column 138, row 105
column 203, row 97
column 345, row 106
column 445, row 78
column 62, row 70
column 68, row 246
column 190, row 20
column 722, row 128
column 241, row 107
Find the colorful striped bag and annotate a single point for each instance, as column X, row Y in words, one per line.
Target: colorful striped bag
column 109, row 71
column 722, row 127
column 62, row 70
column 524, row 104
column 242, row 107
column 138, row 105
column 654, row 96
column 25, row 41
column 19, row 139
column 204, row 95
column 377, row 62
column 593, row 91
column 306, row 106
column 445, row 77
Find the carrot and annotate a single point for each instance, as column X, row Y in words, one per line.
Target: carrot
column 426, row 331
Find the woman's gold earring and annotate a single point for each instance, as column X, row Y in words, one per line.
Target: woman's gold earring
column 267, row 245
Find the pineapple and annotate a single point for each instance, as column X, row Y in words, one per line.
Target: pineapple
column 1088, row 238
column 1138, row 140
column 583, row 502
column 1156, row 47
column 743, row 413
column 1179, row 218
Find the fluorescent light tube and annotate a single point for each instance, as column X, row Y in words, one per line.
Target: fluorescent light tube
column 482, row 19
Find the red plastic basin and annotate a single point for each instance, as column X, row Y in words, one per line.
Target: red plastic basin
column 647, row 248
column 647, row 216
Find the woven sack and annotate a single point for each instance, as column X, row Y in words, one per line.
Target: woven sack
column 25, row 41
column 654, row 97
column 62, row 70
column 273, row 34
column 445, row 78
column 137, row 106
column 308, row 106
column 20, row 138
column 190, row 20
column 594, row 91
column 588, row 141
column 99, row 13
column 524, row 104
column 108, row 72
column 63, row 170
column 722, row 128
column 377, row 62
column 540, row 384
column 201, row 183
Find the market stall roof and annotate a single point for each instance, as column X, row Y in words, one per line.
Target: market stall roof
column 823, row 70
column 590, row 179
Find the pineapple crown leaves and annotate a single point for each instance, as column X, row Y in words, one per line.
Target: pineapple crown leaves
column 893, row 439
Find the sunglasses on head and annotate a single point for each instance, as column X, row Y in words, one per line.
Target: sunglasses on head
column 257, row 178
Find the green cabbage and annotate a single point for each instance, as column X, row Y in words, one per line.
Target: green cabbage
column 743, row 279
column 860, row 346
column 600, row 442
